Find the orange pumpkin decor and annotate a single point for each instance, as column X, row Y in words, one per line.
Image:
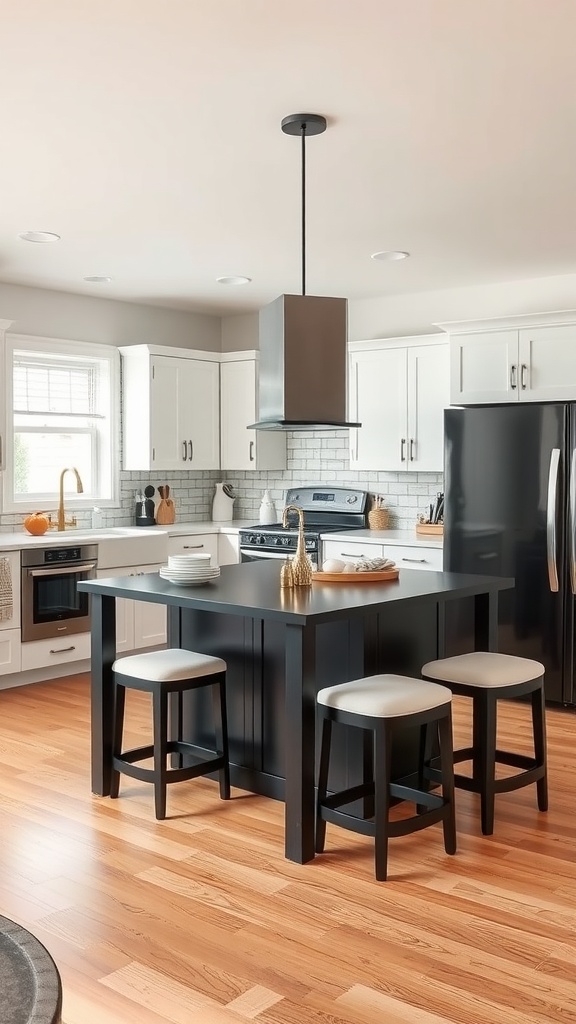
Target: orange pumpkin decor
column 36, row 524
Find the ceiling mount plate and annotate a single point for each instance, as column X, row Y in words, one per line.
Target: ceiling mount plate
column 304, row 124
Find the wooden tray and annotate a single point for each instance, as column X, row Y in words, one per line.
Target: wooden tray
column 378, row 576
column 430, row 528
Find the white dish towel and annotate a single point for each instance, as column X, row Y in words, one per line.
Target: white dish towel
column 6, row 610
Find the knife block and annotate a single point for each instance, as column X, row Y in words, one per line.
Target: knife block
column 166, row 512
column 437, row 529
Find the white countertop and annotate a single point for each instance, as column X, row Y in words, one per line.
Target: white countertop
column 388, row 537
column 17, row 541
column 21, row 539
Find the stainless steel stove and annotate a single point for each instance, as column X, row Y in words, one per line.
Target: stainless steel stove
column 326, row 509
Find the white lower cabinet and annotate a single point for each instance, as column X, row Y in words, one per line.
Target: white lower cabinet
column 228, row 548
column 195, row 544
column 351, row 550
column 55, row 651
column 10, row 653
column 10, row 624
column 406, row 556
column 415, row 557
column 139, row 624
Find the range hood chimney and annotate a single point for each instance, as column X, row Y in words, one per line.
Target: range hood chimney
column 303, row 352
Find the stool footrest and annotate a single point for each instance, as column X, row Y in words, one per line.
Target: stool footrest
column 329, row 809
column 135, row 771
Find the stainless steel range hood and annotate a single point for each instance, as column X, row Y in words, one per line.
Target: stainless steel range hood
column 303, row 364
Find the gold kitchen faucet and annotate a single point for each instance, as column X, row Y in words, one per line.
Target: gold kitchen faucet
column 62, row 522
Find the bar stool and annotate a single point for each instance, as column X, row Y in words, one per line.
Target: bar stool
column 487, row 677
column 385, row 704
column 162, row 673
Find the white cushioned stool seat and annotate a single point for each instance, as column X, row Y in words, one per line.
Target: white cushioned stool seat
column 168, row 665
column 384, row 706
column 484, row 668
column 169, row 675
column 385, row 696
column 486, row 678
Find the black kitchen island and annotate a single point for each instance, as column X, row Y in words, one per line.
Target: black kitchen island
column 281, row 647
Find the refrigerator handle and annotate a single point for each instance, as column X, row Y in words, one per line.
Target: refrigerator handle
column 551, row 520
column 572, row 522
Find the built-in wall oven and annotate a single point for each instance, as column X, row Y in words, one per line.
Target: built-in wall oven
column 51, row 603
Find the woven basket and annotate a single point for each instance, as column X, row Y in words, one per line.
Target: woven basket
column 378, row 518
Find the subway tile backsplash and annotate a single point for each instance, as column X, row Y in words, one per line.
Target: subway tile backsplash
column 313, row 457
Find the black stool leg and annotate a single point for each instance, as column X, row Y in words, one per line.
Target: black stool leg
column 117, row 731
column 447, row 769
column 177, row 759
column 485, row 707
column 323, row 782
column 424, row 759
column 160, row 716
column 539, row 730
column 221, row 732
column 382, row 774
column 368, row 772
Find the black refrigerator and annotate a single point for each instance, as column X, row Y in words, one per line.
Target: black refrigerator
column 510, row 510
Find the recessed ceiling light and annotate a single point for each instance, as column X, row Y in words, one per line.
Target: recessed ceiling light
column 95, row 279
column 39, row 236
column 234, row 280
column 391, row 254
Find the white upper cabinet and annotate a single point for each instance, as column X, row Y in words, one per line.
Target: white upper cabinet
column 241, row 448
column 398, row 390
column 171, row 408
column 521, row 359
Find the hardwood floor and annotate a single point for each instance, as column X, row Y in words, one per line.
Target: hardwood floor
column 200, row 917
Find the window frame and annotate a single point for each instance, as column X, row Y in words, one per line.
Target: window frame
column 73, row 350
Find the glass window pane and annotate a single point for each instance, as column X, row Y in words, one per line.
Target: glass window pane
column 40, row 458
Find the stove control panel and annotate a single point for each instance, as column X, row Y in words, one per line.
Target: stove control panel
column 327, row 499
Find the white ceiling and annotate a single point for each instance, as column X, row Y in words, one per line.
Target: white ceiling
column 147, row 134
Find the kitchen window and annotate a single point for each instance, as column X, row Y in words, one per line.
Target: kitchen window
column 61, row 410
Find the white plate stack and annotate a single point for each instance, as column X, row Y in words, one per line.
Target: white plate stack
column 189, row 570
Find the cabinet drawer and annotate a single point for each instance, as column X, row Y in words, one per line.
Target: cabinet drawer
column 9, row 651
column 195, row 544
column 416, row 557
column 347, row 550
column 57, row 651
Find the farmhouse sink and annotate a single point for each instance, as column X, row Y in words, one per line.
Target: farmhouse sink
column 117, row 546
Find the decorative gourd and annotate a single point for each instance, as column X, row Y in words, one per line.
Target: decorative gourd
column 36, row 524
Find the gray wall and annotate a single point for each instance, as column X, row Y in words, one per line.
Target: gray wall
column 52, row 314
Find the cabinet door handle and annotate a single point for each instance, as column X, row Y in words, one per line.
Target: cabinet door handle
column 191, row 450
column 411, row 449
column 354, row 554
column 63, row 650
column 187, row 547
column 251, row 451
column 183, row 451
column 513, row 377
column 402, row 451
column 422, row 560
column 523, row 371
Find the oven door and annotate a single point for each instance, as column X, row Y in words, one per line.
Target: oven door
column 257, row 554
column 51, row 603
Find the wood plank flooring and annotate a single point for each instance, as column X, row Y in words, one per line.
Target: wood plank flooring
column 201, row 919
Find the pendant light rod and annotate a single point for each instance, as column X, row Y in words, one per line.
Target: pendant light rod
column 303, row 125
